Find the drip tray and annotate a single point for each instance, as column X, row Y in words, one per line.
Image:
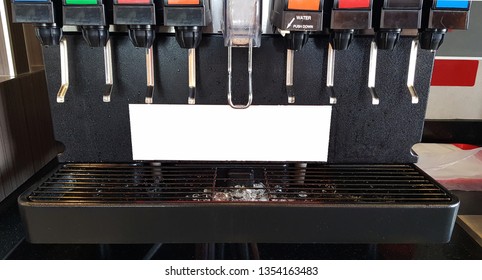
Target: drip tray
column 232, row 202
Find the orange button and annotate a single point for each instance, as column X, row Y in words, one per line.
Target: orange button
column 305, row 5
column 183, row 2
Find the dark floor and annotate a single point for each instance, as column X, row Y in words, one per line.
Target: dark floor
column 14, row 246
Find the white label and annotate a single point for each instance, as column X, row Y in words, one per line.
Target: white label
column 220, row 133
column 303, row 17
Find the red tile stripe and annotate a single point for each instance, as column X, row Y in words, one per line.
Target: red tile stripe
column 455, row 73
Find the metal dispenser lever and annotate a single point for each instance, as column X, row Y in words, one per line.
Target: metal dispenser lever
column 412, row 67
column 109, row 76
column 242, row 29
column 192, row 76
column 250, row 77
column 290, row 61
column 64, row 71
column 330, row 74
column 372, row 73
column 150, row 75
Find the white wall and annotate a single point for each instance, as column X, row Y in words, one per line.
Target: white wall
column 456, row 102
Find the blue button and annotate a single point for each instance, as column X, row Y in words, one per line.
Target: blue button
column 445, row 4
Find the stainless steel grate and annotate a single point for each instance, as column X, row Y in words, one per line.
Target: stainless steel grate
column 237, row 183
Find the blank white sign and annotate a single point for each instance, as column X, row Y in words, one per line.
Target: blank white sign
column 221, row 133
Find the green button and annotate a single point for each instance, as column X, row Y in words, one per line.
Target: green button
column 81, row 2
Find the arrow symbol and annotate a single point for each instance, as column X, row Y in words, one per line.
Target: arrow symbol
column 291, row 22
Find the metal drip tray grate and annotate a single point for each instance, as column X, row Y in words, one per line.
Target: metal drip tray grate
column 315, row 183
column 233, row 202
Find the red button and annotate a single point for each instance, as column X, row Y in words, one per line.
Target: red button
column 183, row 2
column 354, row 4
column 135, row 2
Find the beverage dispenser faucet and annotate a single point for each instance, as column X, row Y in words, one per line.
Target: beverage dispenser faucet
column 346, row 17
column 46, row 16
column 391, row 17
column 188, row 17
column 242, row 28
column 140, row 16
column 438, row 17
column 93, row 19
column 294, row 20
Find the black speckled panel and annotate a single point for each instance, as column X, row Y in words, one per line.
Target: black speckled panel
column 385, row 133
column 93, row 131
